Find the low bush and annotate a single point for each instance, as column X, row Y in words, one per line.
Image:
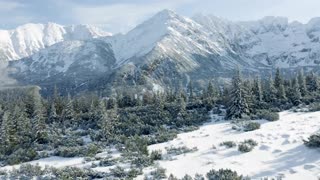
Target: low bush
column 89, row 150
column 107, row 161
column 223, row 174
column 247, row 145
column 21, row 155
column 314, row 107
column 251, row 126
column 267, row 115
column 228, row 144
column 159, row 173
column 156, row 155
column 180, row 150
column 245, row 148
column 313, row 141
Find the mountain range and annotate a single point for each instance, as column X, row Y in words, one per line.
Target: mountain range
column 167, row 50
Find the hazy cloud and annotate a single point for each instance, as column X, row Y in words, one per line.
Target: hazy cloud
column 122, row 15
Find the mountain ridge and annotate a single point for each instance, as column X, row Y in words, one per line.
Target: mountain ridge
column 29, row 38
column 168, row 50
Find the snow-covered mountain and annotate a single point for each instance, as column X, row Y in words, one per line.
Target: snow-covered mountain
column 28, row 39
column 272, row 41
column 167, row 49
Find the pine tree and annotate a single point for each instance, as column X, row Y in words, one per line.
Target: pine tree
column 295, row 90
column 39, row 125
column 257, row 90
column 312, row 82
column 277, row 79
column 270, row 92
column 238, row 104
column 24, row 126
column 5, row 142
column 68, row 113
column 52, row 116
column 190, row 91
column 210, row 96
column 302, row 83
column 278, row 84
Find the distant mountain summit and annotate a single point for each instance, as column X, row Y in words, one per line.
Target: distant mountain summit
column 28, row 39
column 167, row 50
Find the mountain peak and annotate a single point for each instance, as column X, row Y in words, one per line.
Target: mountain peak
column 166, row 13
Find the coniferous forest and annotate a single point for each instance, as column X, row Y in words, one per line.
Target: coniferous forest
column 33, row 126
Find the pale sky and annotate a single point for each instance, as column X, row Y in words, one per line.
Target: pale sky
column 122, row 15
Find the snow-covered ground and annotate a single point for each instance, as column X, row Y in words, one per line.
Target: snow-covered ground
column 280, row 151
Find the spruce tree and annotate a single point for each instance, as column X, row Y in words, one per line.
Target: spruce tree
column 295, row 90
column 238, row 104
column 24, row 126
column 302, row 83
column 5, row 142
column 278, row 84
column 52, row 116
column 210, row 96
column 39, row 125
column 270, row 92
column 190, row 92
column 312, row 82
column 105, row 122
column 257, row 90
column 68, row 113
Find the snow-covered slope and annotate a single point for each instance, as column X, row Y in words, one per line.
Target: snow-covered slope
column 280, row 151
column 68, row 64
column 272, row 41
column 27, row 39
column 169, row 49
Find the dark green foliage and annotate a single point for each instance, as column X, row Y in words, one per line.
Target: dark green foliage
column 180, row 150
column 228, row 144
column 238, row 98
column 159, row 173
column 223, row 174
column 108, row 161
column 313, row 141
column 73, row 151
column 187, row 177
column 251, row 126
column 156, row 155
column 314, row 107
column 247, row 145
column 267, row 115
column 27, row 171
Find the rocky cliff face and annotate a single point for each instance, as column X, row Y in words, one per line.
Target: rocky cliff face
column 168, row 50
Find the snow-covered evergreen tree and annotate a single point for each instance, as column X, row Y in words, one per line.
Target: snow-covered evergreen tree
column 5, row 140
column 257, row 89
column 295, row 90
column 270, row 92
column 302, row 83
column 190, row 92
column 312, row 82
column 278, row 84
column 238, row 102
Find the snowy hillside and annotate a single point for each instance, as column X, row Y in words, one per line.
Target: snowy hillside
column 27, row 39
column 280, row 151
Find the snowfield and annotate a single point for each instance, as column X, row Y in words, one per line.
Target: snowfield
column 280, row 152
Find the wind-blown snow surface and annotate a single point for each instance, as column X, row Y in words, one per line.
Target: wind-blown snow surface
column 280, row 151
